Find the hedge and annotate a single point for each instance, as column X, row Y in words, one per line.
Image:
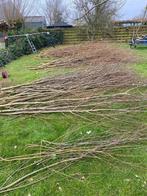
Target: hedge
column 5, row 57
column 18, row 47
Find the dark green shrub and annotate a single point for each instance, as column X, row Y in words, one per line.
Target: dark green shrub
column 5, row 57
column 40, row 40
column 16, row 51
column 19, row 46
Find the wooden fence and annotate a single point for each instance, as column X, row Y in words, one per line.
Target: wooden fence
column 120, row 34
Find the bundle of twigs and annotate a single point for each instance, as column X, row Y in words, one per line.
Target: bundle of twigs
column 35, row 100
column 87, row 91
column 81, row 91
column 91, row 54
column 76, row 93
column 51, row 156
column 66, row 62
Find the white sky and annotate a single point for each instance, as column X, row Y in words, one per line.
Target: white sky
column 132, row 8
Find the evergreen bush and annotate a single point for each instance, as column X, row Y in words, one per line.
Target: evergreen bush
column 19, row 46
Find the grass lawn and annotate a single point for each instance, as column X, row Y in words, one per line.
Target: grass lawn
column 20, row 70
column 87, row 178
column 140, row 51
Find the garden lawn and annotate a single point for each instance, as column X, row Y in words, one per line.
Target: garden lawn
column 20, row 71
column 141, row 52
column 89, row 177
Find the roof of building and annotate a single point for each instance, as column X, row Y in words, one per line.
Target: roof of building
column 59, row 24
column 35, row 19
column 139, row 20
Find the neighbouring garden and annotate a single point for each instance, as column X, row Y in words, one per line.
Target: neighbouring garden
column 73, row 121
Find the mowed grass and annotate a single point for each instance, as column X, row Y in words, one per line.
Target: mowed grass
column 20, row 70
column 89, row 177
column 140, row 51
column 100, row 177
column 142, row 66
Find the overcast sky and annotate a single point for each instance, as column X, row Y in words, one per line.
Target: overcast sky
column 132, row 8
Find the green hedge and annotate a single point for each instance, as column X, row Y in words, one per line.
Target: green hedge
column 5, row 57
column 18, row 47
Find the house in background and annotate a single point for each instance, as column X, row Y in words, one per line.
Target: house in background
column 61, row 25
column 130, row 23
column 35, row 22
column 8, row 11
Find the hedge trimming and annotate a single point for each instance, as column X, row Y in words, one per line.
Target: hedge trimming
column 18, row 47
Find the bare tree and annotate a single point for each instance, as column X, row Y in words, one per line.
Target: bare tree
column 14, row 11
column 55, row 11
column 97, row 15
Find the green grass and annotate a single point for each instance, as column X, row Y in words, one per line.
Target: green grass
column 140, row 52
column 141, row 68
column 20, row 72
column 101, row 178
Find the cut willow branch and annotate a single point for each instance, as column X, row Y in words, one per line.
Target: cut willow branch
column 51, row 155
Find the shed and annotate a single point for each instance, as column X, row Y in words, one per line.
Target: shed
column 60, row 25
column 35, row 22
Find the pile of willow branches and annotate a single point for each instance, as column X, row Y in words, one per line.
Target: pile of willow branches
column 89, row 53
column 48, row 158
column 75, row 93
column 36, row 99
column 103, row 90
column 82, row 91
